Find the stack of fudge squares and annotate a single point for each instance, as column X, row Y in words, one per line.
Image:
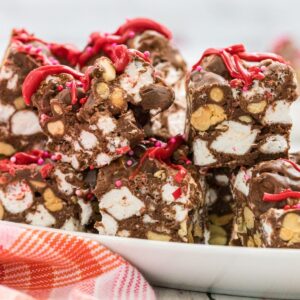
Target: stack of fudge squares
column 121, row 139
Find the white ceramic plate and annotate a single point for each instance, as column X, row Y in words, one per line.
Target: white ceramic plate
column 266, row 273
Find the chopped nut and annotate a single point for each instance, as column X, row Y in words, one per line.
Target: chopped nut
column 161, row 174
column 216, row 94
column 19, row 103
column 198, row 231
column 221, row 220
column 257, row 239
column 117, row 100
column 250, row 242
column 52, row 202
column 157, row 236
column 257, row 107
column 245, row 119
column 190, row 233
column 109, row 72
column 249, row 218
column 292, row 222
column 183, row 229
column 286, row 234
column 207, row 116
column 37, row 184
column 57, row 109
column 6, row 149
column 56, row 128
column 1, row 211
column 102, row 90
column 218, row 235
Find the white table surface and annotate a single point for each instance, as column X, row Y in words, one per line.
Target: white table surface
column 172, row 294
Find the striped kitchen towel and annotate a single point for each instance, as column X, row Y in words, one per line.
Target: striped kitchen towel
column 36, row 264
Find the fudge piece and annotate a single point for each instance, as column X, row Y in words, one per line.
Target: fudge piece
column 267, row 205
column 19, row 126
column 94, row 118
column 144, row 195
column 220, row 206
column 154, row 40
column 39, row 191
column 239, row 107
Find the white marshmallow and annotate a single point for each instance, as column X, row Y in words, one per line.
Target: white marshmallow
column 202, row 155
column 25, row 122
column 136, row 76
column 176, row 122
column 278, row 113
column 103, row 159
column 6, row 111
column 6, row 73
column 148, row 219
column 12, row 82
column 211, row 197
column 71, row 224
column 40, row 217
column 121, row 203
column 237, row 139
column 181, row 213
column 170, row 74
column 116, row 142
column 17, row 197
column 107, row 226
column 106, row 124
column 63, row 185
column 86, row 211
column 222, row 179
column 274, row 144
column 88, row 140
column 241, row 181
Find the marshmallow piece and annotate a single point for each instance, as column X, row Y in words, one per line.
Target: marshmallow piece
column 63, row 185
column 86, row 211
column 202, row 155
column 241, row 181
column 121, row 203
column 278, row 113
column 106, row 124
column 25, row 122
column 107, row 226
column 237, row 139
column 88, row 140
column 40, row 217
column 136, row 76
column 274, row 144
column 16, row 197
column 6, row 111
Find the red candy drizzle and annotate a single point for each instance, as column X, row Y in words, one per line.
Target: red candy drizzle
column 35, row 77
column 107, row 42
column 233, row 57
column 284, row 195
column 163, row 154
column 67, row 52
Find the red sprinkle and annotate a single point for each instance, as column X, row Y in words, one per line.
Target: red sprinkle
column 123, row 150
column 92, row 167
column 46, row 169
column 176, row 194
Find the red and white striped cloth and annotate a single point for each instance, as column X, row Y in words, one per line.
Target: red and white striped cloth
column 43, row 265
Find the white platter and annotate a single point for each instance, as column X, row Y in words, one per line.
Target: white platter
column 266, row 273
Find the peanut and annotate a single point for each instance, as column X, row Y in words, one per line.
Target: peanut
column 161, row 174
column 257, row 107
column 216, row 94
column 221, row 220
column 157, row 236
column 1, row 212
column 245, row 119
column 56, row 128
column 102, row 90
column 249, row 218
column 52, row 202
column 109, row 71
column 117, row 99
column 6, row 149
column 206, row 116
column 218, row 235
column 37, row 184
column 19, row 103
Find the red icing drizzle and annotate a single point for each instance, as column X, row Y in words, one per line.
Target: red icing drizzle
column 163, row 154
column 63, row 51
column 35, row 77
column 138, row 25
column 233, row 56
column 281, row 196
column 106, row 42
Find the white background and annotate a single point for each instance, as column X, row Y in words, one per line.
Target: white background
column 197, row 24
